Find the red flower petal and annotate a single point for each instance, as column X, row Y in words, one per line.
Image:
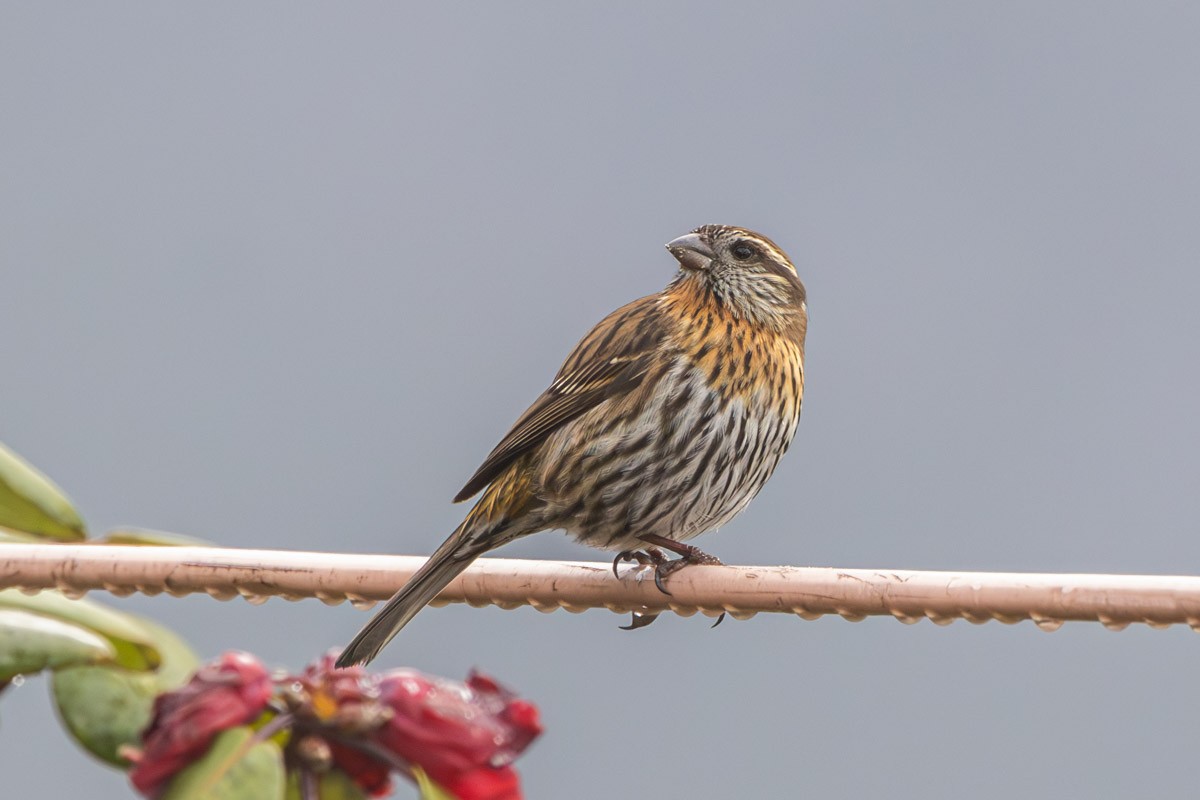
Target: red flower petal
column 486, row 784
column 230, row 691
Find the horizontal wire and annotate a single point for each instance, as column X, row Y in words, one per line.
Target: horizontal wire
column 810, row 592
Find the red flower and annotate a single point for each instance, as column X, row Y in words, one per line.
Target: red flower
column 463, row 735
column 372, row 776
column 230, row 691
column 485, row 783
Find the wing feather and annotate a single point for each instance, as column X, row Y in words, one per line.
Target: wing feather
column 610, row 361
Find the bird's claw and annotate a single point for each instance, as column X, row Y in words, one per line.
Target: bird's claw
column 651, row 556
column 624, row 557
column 640, row 620
column 665, row 568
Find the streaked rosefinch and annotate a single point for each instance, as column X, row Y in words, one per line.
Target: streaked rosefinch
column 662, row 424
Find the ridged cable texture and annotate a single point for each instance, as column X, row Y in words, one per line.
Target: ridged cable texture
column 809, row 592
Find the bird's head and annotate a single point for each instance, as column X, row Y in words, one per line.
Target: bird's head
column 743, row 269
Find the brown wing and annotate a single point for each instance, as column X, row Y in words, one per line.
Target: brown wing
column 610, row 361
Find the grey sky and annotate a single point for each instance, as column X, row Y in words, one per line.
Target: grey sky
column 281, row 275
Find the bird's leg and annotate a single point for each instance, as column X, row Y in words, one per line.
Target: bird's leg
column 688, row 554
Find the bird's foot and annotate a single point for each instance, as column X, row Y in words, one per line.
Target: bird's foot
column 688, row 555
column 651, row 556
column 663, row 566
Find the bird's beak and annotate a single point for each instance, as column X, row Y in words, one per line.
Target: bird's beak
column 692, row 252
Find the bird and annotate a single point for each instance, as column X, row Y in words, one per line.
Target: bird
column 663, row 423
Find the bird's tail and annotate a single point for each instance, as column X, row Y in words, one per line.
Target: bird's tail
column 455, row 555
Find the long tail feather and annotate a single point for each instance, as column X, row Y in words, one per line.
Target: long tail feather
column 455, row 555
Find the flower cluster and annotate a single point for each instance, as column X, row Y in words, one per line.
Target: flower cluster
column 464, row 736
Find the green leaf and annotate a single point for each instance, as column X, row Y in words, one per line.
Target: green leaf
column 333, row 785
column 30, row 502
column 134, row 644
column 236, row 767
column 106, row 708
column 32, row 642
column 146, row 536
column 16, row 537
column 429, row 790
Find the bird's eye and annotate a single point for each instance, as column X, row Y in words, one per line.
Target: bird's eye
column 743, row 250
